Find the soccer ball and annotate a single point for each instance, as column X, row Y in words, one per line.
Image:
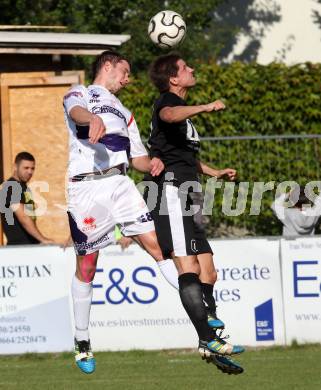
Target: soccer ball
column 167, row 29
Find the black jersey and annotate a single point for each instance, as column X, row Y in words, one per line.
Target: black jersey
column 16, row 233
column 176, row 144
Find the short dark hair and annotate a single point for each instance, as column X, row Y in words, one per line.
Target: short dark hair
column 162, row 69
column 108, row 55
column 23, row 156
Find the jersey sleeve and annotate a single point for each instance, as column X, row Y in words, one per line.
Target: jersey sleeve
column 76, row 96
column 169, row 100
column 137, row 149
column 158, row 143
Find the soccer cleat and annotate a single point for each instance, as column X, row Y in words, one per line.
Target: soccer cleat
column 213, row 321
column 226, row 365
column 221, row 347
column 84, row 357
column 223, row 363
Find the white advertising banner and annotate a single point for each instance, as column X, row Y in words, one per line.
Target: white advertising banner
column 248, row 291
column 134, row 307
column 301, row 271
column 34, row 301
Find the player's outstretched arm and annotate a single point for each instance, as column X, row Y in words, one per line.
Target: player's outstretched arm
column 180, row 113
column 144, row 164
column 228, row 173
column 82, row 116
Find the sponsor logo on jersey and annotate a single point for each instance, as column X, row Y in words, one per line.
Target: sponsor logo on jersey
column 107, row 109
column 83, row 246
column 94, row 96
column 93, row 93
column 89, row 224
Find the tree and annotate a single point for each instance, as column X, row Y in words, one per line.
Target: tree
column 250, row 17
column 119, row 17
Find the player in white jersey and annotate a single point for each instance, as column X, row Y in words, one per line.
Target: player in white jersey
column 103, row 138
column 108, row 158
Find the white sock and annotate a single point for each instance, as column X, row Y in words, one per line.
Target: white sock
column 81, row 295
column 169, row 271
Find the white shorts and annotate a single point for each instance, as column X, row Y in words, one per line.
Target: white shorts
column 96, row 206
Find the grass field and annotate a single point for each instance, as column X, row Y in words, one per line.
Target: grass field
column 294, row 368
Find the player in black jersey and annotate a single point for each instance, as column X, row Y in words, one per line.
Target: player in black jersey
column 175, row 141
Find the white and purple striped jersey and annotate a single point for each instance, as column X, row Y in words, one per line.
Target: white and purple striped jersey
column 121, row 142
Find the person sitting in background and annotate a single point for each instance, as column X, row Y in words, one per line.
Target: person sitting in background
column 22, row 230
column 299, row 219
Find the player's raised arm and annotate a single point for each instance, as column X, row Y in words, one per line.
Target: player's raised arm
column 180, row 113
column 76, row 107
column 82, row 116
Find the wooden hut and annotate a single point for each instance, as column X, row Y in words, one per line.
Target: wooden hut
column 36, row 69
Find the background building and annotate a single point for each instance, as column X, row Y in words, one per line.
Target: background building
column 286, row 31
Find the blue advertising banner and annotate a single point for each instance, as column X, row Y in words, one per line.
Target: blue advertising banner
column 301, row 270
column 264, row 321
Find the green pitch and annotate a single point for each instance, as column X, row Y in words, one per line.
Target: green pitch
column 295, row 368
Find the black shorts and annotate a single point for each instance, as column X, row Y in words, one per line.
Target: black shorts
column 176, row 227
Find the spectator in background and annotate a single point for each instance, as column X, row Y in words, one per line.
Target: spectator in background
column 22, row 230
column 300, row 218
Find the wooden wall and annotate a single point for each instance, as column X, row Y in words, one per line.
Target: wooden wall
column 13, row 63
column 32, row 120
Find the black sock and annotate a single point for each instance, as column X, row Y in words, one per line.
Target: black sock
column 207, row 290
column 191, row 295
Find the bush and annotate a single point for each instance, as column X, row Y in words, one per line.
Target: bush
column 260, row 100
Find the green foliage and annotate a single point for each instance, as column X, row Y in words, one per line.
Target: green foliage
column 265, row 369
column 260, row 100
column 273, row 99
column 118, row 17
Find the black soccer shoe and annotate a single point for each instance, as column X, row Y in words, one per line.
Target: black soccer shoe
column 223, row 363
